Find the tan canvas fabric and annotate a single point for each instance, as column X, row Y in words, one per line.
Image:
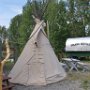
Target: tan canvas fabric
column 37, row 64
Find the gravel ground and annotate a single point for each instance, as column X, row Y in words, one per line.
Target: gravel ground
column 74, row 81
column 63, row 85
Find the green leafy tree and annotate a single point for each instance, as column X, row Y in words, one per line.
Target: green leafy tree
column 14, row 35
column 78, row 16
column 3, row 32
column 27, row 24
column 57, row 24
column 66, row 19
column 3, row 35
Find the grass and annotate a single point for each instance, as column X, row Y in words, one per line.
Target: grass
column 7, row 67
column 86, row 84
column 82, row 77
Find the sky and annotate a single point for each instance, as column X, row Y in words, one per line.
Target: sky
column 9, row 9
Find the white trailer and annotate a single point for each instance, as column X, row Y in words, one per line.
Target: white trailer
column 81, row 44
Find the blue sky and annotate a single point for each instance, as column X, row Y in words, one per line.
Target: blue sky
column 8, row 9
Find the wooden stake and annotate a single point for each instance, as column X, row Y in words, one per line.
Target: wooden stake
column 47, row 29
column 4, row 61
column 0, row 76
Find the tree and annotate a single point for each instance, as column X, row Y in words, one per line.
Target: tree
column 3, row 35
column 3, row 32
column 78, row 15
column 56, row 17
column 14, row 35
column 66, row 19
column 84, row 13
column 26, row 25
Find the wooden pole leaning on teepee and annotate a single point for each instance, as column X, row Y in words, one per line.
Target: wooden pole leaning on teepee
column 4, row 61
column 48, row 29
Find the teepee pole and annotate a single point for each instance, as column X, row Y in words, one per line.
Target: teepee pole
column 48, row 29
column 4, row 61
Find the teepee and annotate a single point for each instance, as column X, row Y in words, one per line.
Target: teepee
column 37, row 64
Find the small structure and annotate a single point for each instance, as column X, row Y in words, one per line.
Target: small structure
column 37, row 64
column 78, row 46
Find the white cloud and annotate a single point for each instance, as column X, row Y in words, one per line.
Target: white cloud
column 5, row 17
column 15, row 9
column 9, row 9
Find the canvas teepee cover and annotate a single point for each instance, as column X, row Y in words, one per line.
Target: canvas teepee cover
column 37, row 64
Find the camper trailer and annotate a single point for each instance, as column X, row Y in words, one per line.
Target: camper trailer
column 78, row 46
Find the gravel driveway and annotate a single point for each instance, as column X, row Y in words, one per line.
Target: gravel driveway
column 63, row 85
